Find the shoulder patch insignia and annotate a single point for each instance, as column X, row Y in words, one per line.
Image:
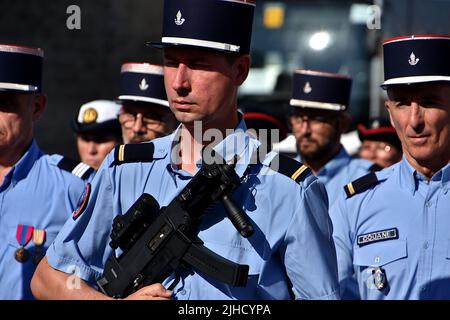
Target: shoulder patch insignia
column 126, row 153
column 361, row 184
column 80, row 169
column 382, row 235
column 82, row 202
column 289, row 167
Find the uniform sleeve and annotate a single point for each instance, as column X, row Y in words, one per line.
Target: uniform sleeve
column 310, row 256
column 82, row 245
column 344, row 247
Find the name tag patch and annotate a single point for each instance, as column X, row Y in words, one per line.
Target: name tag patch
column 382, row 235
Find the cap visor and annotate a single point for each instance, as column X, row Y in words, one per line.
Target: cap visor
column 413, row 80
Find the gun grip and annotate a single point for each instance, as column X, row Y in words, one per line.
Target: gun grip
column 216, row 266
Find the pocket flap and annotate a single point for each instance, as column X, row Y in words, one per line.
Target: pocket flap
column 380, row 253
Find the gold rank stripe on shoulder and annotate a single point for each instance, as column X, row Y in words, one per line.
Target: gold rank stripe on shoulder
column 126, row 153
column 351, row 190
column 299, row 172
column 289, row 167
column 121, row 154
column 361, row 184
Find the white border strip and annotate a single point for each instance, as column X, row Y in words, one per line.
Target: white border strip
column 201, row 43
column 242, row 2
column 80, row 169
column 416, row 38
column 316, row 104
column 26, row 50
column 323, row 74
column 142, row 68
column 144, row 99
column 414, row 79
column 16, row 86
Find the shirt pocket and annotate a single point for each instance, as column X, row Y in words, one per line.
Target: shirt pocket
column 380, row 254
column 390, row 257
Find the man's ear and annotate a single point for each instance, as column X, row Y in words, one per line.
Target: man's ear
column 388, row 107
column 241, row 68
column 39, row 102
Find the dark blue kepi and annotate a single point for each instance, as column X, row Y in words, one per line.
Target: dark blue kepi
column 21, row 68
column 321, row 90
column 142, row 82
column 224, row 25
column 416, row 59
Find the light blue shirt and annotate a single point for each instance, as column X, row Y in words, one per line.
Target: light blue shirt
column 292, row 242
column 417, row 264
column 35, row 193
column 339, row 171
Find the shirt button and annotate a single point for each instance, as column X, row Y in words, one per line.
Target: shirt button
column 377, row 259
column 183, row 292
column 428, row 204
column 425, row 245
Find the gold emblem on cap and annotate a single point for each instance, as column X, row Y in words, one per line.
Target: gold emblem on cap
column 90, row 115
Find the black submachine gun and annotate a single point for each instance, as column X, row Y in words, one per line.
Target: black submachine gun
column 157, row 241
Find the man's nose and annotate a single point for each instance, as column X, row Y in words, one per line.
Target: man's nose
column 181, row 82
column 138, row 125
column 92, row 148
column 416, row 116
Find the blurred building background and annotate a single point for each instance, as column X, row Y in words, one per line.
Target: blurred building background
column 335, row 36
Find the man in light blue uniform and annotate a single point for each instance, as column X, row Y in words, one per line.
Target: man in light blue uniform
column 36, row 195
column 142, row 93
column 318, row 119
column 290, row 254
column 391, row 227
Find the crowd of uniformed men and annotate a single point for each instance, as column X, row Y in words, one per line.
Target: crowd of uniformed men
column 327, row 225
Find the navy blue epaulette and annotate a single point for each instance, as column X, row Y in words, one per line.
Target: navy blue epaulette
column 126, row 153
column 80, row 169
column 289, row 167
column 361, row 184
column 375, row 167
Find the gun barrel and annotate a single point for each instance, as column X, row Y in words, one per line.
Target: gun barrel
column 238, row 217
